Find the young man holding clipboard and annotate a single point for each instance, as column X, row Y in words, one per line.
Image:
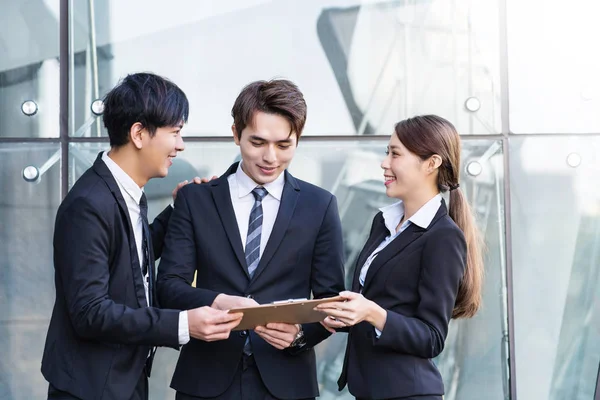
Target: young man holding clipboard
column 253, row 236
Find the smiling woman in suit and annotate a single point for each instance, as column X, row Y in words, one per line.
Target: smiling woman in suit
column 420, row 267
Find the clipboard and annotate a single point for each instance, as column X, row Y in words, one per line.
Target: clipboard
column 292, row 311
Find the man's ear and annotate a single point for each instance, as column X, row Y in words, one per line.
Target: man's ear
column 136, row 133
column 236, row 138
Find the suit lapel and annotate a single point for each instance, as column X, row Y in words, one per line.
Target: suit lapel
column 102, row 170
column 289, row 198
column 409, row 235
column 222, row 199
column 379, row 233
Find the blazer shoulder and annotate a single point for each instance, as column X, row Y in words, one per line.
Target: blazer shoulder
column 317, row 198
column 446, row 227
column 89, row 191
column 314, row 190
column 198, row 189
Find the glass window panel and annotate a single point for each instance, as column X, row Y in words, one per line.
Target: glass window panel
column 475, row 359
column 362, row 65
column 29, row 69
column 556, row 265
column 27, row 211
column 554, row 86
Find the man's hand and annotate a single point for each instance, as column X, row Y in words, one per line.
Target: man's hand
column 206, row 180
column 279, row 335
column 182, row 184
column 195, row 180
column 208, row 324
column 227, row 302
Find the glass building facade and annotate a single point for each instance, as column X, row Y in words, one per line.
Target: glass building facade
column 518, row 78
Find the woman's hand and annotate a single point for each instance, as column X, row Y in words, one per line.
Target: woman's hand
column 331, row 324
column 354, row 310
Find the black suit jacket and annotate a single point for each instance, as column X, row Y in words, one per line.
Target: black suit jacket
column 303, row 254
column 101, row 330
column 415, row 278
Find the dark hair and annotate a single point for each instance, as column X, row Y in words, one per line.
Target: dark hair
column 149, row 99
column 428, row 135
column 277, row 96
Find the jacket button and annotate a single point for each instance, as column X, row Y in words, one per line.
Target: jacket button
column 244, row 333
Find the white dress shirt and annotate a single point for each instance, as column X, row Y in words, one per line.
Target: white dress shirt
column 392, row 215
column 242, row 199
column 132, row 194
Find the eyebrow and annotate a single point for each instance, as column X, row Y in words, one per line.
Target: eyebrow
column 258, row 138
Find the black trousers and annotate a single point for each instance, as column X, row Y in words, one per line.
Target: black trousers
column 247, row 385
column 140, row 392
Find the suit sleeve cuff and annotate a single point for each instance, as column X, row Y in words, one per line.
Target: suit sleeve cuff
column 184, row 332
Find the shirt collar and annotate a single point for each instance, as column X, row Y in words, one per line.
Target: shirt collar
column 124, row 180
column 393, row 213
column 246, row 185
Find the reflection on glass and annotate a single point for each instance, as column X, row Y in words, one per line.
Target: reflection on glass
column 549, row 94
column 27, row 211
column 371, row 63
column 393, row 60
column 475, row 359
column 29, row 69
column 556, row 266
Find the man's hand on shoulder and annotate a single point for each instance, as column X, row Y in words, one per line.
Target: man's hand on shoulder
column 182, row 184
column 196, row 180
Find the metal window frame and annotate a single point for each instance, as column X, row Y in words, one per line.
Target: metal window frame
column 505, row 124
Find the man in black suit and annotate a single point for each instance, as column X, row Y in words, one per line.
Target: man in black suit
column 254, row 235
column 105, row 322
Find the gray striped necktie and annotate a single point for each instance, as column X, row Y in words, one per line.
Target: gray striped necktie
column 254, row 230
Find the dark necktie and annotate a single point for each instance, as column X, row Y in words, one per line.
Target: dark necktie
column 252, row 250
column 147, row 267
column 146, row 247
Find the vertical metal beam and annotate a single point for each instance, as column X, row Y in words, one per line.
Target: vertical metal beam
column 93, row 58
column 509, row 271
column 505, row 124
column 503, row 50
column 64, row 96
